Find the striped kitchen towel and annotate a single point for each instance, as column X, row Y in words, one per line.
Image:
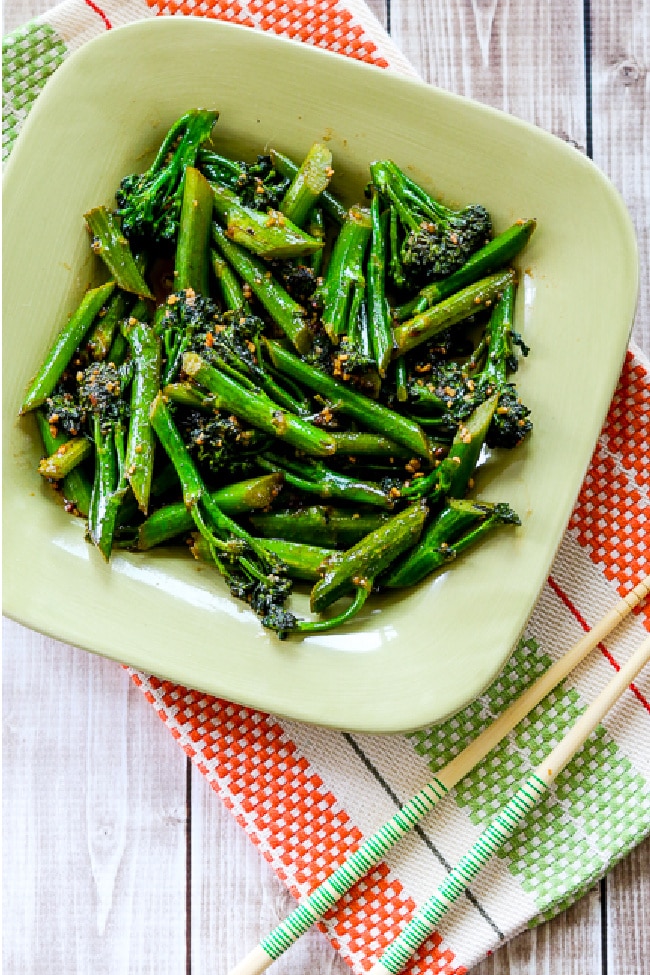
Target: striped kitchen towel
column 307, row 796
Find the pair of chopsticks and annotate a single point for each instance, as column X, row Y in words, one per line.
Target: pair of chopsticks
column 502, row 827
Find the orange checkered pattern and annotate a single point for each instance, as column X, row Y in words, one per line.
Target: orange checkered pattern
column 611, row 519
column 323, row 23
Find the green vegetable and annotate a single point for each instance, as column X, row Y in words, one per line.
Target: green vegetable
column 369, row 414
column 258, row 336
column 192, row 252
column 460, row 525
column 359, row 566
column 254, row 406
column 287, row 313
column 318, row 524
column 344, row 283
column 67, row 341
column 65, row 458
column 149, row 203
column 75, row 487
column 267, row 235
column 307, row 185
column 109, row 243
column 146, row 357
column 429, row 239
column 489, row 258
column 174, row 520
column 460, row 306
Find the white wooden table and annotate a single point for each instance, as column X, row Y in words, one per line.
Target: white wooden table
column 109, row 870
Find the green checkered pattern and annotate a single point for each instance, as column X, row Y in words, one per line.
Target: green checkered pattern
column 29, row 56
column 591, row 818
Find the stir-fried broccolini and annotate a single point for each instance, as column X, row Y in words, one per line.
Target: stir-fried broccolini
column 149, row 203
column 428, row 240
column 299, row 389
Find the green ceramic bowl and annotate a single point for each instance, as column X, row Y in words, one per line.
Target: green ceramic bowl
column 410, row 659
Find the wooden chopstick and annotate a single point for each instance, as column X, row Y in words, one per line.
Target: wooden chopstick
column 375, row 847
column 504, row 825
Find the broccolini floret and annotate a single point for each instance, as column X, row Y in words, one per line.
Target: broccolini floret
column 64, row 412
column 428, row 240
column 218, row 442
column 186, row 314
column 453, row 391
column 149, row 203
column 260, row 185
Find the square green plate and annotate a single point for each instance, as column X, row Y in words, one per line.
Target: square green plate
column 410, row 659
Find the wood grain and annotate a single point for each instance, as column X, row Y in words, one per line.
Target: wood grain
column 107, row 870
column 620, row 44
column 94, row 851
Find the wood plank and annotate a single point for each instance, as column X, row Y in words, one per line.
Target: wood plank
column 19, row 12
column 621, row 146
column 236, row 897
column 518, row 57
column 628, row 904
column 621, row 131
column 380, row 9
column 94, row 818
column 569, row 944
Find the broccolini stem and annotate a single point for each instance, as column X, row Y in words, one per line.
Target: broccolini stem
column 166, row 431
column 286, row 167
column 231, row 289
column 345, row 275
column 315, row 478
column 498, row 337
column 381, row 333
column 368, row 413
column 105, row 327
column 285, row 312
column 109, row 243
column 224, row 523
column 360, row 444
column 452, row 476
column 449, row 312
column 395, row 251
column 205, row 511
column 318, row 524
column 401, row 379
column 184, row 394
column 109, row 487
column 76, row 487
column 270, row 235
column 217, row 168
column 302, row 562
column 191, row 262
column 309, row 182
column 460, row 525
column 64, row 458
column 359, row 566
column 118, row 351
column 316, row 228
column 70, row 336
column 254, row 406
column 147, row 359
column 320, row 626
column 174, row 519
column 494, row 255
column 183, row 125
